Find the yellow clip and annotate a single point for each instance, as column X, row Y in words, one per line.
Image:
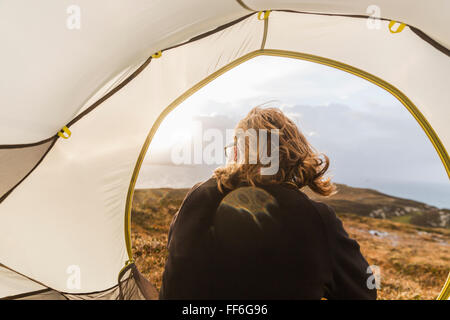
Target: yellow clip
column 157, row 55
column 266, row 14
column 399, row 29
column 66, row 131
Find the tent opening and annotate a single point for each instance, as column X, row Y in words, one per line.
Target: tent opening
column 390, row 202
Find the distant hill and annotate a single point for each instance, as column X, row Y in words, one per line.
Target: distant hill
column 372, row 203
column 405, row 238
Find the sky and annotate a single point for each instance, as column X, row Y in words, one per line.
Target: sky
column 370, row 137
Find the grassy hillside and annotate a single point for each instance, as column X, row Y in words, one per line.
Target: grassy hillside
column 413, row 253
column 371, row 203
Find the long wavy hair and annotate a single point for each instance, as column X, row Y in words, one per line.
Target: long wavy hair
column 299, row 164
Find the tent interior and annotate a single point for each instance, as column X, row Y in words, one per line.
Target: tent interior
column 87, row 85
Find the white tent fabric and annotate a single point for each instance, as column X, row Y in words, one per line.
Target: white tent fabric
column 61, row 68
column 73, row 208
column 432, row 18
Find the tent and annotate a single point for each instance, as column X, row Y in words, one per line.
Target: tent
column 85, row 85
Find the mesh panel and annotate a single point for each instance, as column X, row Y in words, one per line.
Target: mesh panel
column 47, row 294
column 16, row 163
column 110, row 294
column 132, row 286
column 146, row 288
column 14, row 284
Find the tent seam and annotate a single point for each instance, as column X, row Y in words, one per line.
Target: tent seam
column 146, row 63
column 425, row 37
column 110, row 93
column 7, row 193
column 26, row 145
column 26, row 294
column 25, row 276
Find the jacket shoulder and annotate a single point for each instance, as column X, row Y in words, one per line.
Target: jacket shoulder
column 325, row 211
column 203, row 190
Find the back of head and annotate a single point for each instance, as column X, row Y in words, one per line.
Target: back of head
column 297, row 161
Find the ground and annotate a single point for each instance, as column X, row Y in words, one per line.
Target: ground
column 414, row 260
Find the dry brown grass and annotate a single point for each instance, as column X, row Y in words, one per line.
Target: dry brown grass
column 414, row 261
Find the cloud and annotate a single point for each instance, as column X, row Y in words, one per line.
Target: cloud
column 359, row 143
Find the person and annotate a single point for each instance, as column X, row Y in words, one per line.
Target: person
column 243, row 234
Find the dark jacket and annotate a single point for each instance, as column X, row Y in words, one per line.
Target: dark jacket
column 311, row 257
